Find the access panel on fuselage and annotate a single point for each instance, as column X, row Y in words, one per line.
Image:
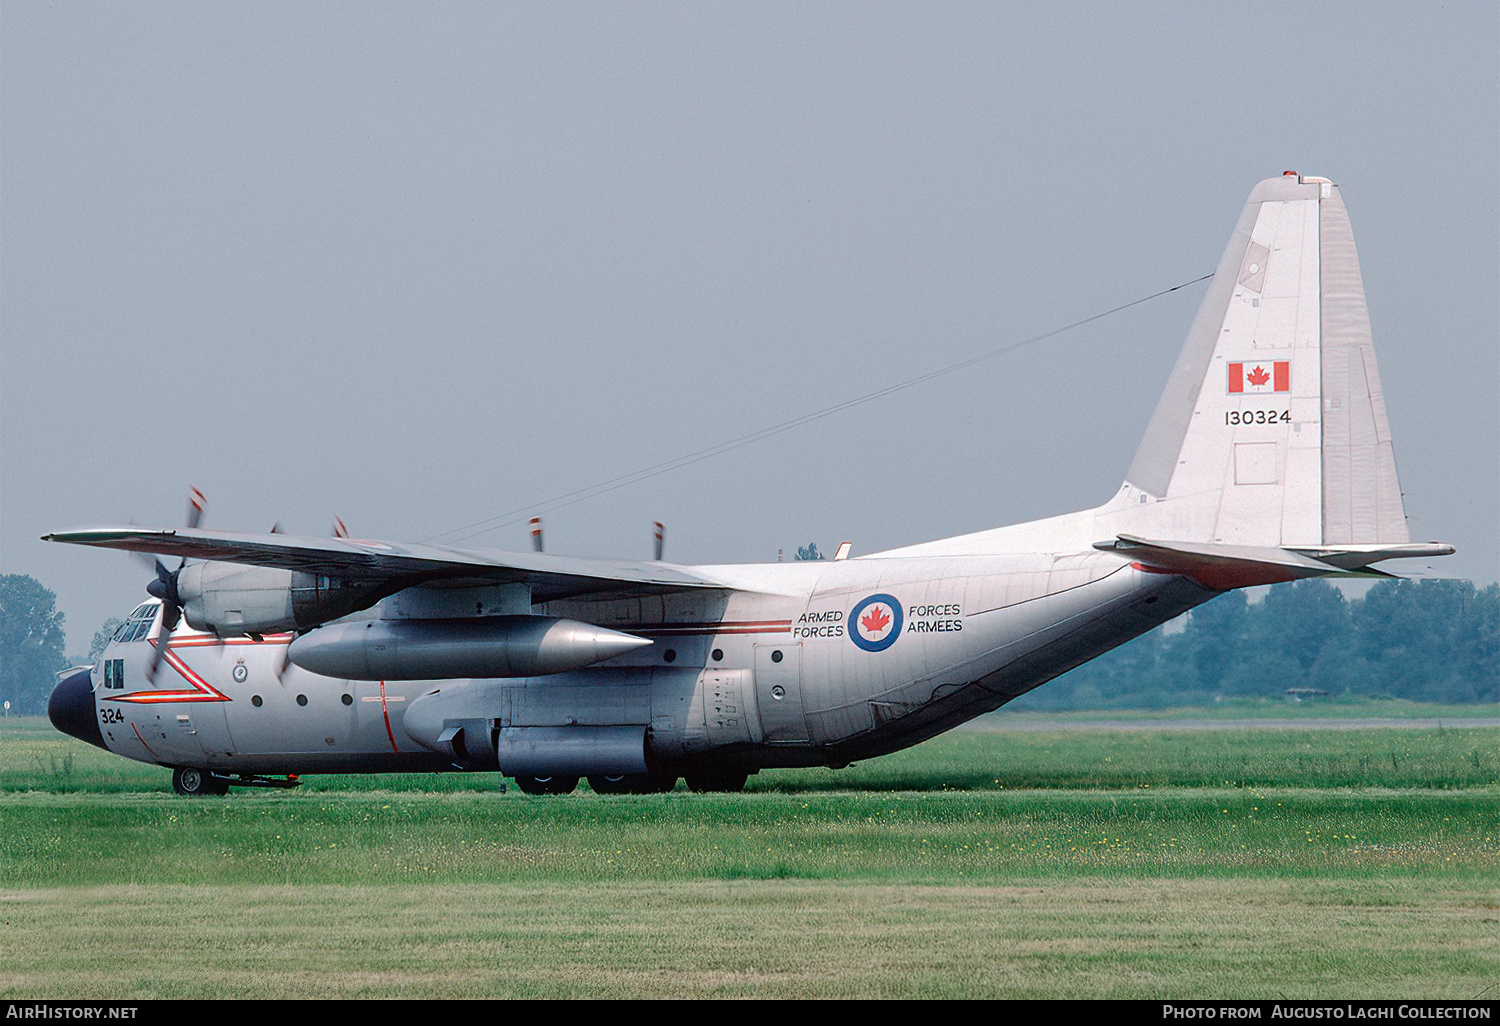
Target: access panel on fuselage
column 778, row 692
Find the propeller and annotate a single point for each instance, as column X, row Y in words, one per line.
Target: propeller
column 196, row 504
column 658, row 537
column 536, row 533
column 164, row 587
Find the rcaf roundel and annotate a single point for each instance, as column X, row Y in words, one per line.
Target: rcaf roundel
column 875, row 623
column 1269, row 376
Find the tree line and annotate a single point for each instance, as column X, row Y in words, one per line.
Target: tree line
column 1428, row 641
column 31, row 644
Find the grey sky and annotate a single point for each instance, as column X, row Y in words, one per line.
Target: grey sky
column 416, row 265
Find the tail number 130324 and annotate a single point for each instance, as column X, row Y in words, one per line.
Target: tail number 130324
column 1233, row 417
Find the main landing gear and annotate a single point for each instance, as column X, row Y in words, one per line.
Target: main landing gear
column 632, row 783
column 721, row 781
column 547, row 785
column 718, row 781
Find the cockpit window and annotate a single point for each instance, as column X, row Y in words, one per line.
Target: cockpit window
column 139, row 623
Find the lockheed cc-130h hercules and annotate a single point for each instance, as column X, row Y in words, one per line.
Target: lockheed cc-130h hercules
column 1268, row 459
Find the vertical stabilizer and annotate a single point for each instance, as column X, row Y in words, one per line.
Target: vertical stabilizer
column 1272, row 430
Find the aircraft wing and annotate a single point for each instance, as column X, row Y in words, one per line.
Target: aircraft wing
column 549, row 576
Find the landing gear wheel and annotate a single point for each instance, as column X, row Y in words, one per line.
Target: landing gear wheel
column 547, row 785
column 632, row 783
column 721, row 781
column 195, row 783
column 660, row 783
column 624, row 783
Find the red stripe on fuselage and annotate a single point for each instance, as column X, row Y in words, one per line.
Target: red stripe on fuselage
column 201, row 690
column 143, row 742
column 386, row 712
column 708, row 629
column 205, row 640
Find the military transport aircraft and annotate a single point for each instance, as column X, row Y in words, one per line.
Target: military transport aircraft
column 1268, row 459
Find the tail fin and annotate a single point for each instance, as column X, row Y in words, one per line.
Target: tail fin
column 1272, row 431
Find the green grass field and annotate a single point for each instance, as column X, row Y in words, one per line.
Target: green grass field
column 1143, row 863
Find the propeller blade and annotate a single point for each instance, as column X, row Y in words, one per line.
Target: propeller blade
column 536, row 533
column 156, row 653
column 196, row 504
column 164, row 587
column 660, row 532
column 340, row 529
column 169, row 616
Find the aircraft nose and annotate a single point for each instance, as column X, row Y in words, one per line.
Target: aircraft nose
column 71, row 709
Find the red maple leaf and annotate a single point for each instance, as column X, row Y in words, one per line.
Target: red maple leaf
column 875, row 620
column 1258, row 377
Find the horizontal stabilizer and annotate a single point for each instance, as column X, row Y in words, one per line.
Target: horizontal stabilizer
column 1353, row 557
column 1242, row 566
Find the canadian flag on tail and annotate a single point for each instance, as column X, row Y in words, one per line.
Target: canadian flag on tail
column 1272, row 376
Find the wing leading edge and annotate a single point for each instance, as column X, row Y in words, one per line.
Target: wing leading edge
column 548, row 576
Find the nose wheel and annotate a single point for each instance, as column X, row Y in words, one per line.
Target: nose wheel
column 195, row 783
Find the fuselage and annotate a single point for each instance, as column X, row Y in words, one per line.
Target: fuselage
column 815, row 663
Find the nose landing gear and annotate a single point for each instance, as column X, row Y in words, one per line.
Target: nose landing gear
column 195, row 783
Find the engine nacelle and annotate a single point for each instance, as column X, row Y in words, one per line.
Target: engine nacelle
column 229, row 599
